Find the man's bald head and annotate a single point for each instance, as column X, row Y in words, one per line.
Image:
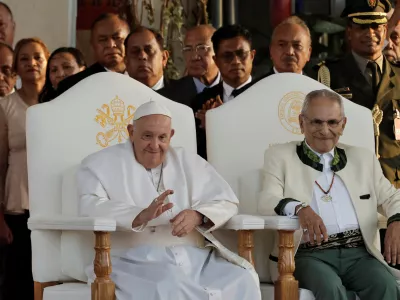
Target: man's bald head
column 198, row 53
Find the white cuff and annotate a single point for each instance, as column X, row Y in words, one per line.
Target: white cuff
column 290, row 209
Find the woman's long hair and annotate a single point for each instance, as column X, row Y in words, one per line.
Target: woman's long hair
column 48, row 92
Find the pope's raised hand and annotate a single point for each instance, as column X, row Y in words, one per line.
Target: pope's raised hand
column 155, row 209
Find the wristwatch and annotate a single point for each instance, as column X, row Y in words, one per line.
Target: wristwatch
column 303, row 205
column 204, row 220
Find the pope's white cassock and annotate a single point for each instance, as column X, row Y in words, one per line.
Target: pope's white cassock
column 154, row 264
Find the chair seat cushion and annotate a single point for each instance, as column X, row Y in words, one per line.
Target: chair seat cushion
column 68, row 291
column 267, row 292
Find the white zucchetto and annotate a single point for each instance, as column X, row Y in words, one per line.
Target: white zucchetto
column 151, row 108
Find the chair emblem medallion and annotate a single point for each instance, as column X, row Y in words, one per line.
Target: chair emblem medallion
column 114, row 118
column 289, row 109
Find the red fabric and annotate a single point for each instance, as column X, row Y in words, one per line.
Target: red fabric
column 89, row 10
column 280, row 10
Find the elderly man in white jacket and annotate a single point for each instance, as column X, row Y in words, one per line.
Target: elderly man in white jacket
column 170, row 200
column 335, row 190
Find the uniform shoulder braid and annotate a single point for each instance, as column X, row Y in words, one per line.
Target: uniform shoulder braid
column 325, row 68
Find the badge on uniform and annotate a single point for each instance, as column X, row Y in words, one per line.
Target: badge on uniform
column 372, row 3
column 396, row 127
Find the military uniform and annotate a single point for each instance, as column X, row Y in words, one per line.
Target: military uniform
column 345, row 77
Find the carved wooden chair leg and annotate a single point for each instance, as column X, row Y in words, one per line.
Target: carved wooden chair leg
column 39, row 288
column 103, row 288
column 286, row 287
column 246, row 245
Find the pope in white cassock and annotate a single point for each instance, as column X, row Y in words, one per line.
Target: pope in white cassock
column 170, row 200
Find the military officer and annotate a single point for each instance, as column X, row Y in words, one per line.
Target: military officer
column 367, row 78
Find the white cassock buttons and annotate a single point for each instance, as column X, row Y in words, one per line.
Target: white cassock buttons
column 213, row 294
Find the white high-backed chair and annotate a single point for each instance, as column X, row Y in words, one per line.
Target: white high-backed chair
column 238, row 133
column 88, row 117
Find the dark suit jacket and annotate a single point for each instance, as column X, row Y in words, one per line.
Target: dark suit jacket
column 197, row 103
column 182, row 90
column 74, row 79
column 272, row 72
column 346, row 73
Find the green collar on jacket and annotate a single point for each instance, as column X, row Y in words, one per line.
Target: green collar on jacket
column 309, row 158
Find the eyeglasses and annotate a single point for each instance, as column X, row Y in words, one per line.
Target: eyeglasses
column 228, row 57
column 199, row 49
column 317, row 123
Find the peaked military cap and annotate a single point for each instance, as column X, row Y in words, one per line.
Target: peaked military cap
column 367, row 11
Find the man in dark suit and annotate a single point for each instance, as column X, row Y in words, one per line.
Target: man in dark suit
column 202, row 72
column 290, row 47
column 146, row 58
column 234, row 58
column 108, row 34
column 368, row 79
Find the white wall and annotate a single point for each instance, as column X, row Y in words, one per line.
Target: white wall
column 51, row 20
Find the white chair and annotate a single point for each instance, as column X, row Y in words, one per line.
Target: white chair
column 83, row 120
column 238, row 133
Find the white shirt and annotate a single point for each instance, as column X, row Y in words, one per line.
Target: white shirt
column 159, row 85
column 276, row 71
column 200, row 86
column 228, row 90
column 108, row 70
column 339, row 214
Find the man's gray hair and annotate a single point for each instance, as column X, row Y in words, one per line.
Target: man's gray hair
column 293, row 20
column 322, row 94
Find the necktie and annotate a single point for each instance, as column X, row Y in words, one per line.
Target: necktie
column 235, row 92
column 376, row 75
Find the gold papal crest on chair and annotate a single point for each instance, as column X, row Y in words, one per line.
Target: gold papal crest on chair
column 114, row 118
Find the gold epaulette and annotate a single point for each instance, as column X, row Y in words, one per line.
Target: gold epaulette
column 324, row 75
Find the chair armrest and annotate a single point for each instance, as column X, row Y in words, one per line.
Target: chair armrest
column 245, row 222
column 253, row 222
column 60, row 222
column 281, row 223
